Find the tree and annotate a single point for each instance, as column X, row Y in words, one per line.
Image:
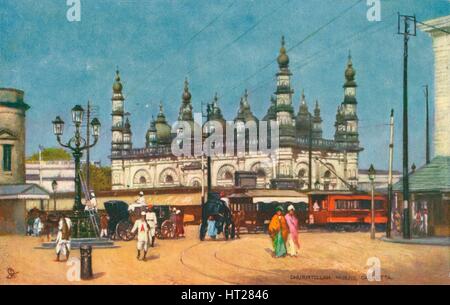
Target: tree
column 100, row 177
column 51, row 154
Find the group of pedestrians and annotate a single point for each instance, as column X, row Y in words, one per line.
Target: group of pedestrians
column 283, row 229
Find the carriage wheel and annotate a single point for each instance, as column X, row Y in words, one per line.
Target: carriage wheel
column 233, row 231
column 167, row 229
column 123, row 230
column 203, row 229
column 226, row 232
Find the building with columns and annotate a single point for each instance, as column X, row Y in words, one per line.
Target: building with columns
column 156, row 166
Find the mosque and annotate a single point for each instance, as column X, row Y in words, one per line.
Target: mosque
column 334, row 163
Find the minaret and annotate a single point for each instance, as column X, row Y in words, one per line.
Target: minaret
column 127, row 144
column 185, row 113
column 117, row 116
column 317, row 122
column 284, row 99
column 302, row 123
column 349, row 104
column 346, row 118
column 151, row 139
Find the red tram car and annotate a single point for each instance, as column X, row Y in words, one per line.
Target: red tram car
column 346, row 211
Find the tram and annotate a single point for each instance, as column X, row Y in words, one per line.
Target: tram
column 346, row 211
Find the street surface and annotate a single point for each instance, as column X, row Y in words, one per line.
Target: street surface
column 325, row 258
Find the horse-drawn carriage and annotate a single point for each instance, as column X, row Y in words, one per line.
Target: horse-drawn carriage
column 217, row 209
column 121, row 220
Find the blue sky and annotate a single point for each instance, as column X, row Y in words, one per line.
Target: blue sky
column 59, row 64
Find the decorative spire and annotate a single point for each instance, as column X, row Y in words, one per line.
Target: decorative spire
column 161, row 118
column 283, row 58
column 317, row 109
column 350, row 73
column 186, row 94
column 303, row 105
column 117, row 86
column 127, row 126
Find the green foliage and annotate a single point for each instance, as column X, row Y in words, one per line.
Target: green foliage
column 100, row 178
column 51, row 154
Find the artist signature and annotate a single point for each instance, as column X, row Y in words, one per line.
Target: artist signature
column 11, row 273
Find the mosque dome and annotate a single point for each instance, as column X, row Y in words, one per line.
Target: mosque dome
column 283, row 58
column 117, row 86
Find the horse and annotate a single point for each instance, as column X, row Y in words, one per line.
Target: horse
column 237, row 218
column 222, row 215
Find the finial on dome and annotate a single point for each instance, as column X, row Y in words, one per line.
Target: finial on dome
column 160, row 107
column 117, row 86
column 246, row 94
column 350, row 72
column 283, row 59
column 303, row 97
column 186, row 94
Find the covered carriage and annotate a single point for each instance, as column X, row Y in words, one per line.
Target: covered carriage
column 122, row 217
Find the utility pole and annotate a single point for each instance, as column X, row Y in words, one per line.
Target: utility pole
column 208, row 159
column 391, row 159
column 427, row 136
column 406, row 32
column 310, row 153
column 88, row 156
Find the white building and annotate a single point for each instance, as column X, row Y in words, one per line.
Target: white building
column 155, row 165
column 45, row 172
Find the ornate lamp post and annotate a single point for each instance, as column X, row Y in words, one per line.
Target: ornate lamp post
column 76, row 144
column 372, row 174
column 54, row 188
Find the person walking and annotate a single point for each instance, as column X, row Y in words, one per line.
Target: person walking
column 179, row 220
column 212, row 230
column 104, row 222
column 278, row 231
column 152, row 221
column 142, row 229
column 63, row 237
column 292, row 244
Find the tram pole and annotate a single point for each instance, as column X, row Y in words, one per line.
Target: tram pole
column 391, row 159
column 427, row 127
column 406, row 205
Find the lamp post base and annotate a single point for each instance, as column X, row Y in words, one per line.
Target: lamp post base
column 82, row 225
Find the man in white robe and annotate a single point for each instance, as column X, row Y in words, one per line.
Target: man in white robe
column 152, row 221
column 63, row 237
column 142, row 229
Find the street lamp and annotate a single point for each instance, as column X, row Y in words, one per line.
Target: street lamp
column 372, row 174
column 76, row 144
column 54, row 188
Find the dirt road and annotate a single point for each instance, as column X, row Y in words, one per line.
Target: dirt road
column 325, row 258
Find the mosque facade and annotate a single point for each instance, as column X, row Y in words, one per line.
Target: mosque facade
column 334, row 163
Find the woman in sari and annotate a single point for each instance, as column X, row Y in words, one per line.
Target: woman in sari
column 278, row 231
column 292, row 243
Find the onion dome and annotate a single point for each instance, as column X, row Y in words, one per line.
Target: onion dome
column 245, row 113
column 272, row 111
column 302, row 121
column 283, row 58
column 151, row 136
column 350, row 73
column 185, row 112
column 117, row 86
column 216, row 112
column 163, row 130
column 186, row 94
column 303, row 106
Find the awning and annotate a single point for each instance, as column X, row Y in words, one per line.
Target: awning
column 23, row 191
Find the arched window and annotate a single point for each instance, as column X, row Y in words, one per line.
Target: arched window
column 142, row 180
column 228, row 175
column 302, row 173
column 169, row 179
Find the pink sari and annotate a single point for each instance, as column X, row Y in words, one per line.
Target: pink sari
column 292, row 223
